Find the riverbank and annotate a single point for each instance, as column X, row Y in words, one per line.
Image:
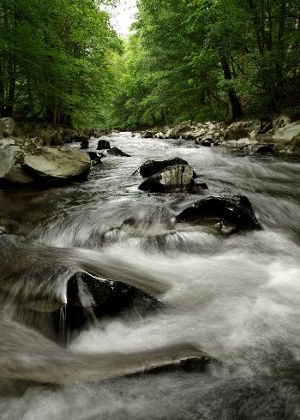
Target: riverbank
column 280, row 134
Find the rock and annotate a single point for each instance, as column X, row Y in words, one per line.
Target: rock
column 287, row 132
column 7, row 127
column 266, row 126
column 56, row 164
column 280, row 121
column 84, row 144
column 243, row 129
column 263, row 150
column 234, row 213
column 160, row 135
column 199, row 186
column 103, row 144
column 211, row 132
column 8, row 141
column 147, row 135
column 185, row 364
column 171, row 179
column 115, row 151
column 90, row 298
column 28, row 164
column 95, row 158
column 151, row 167
column 106, row 297
column 11, row 170
column 178, row 130
column 206, row 142
column 296, row 144
column 3, row 230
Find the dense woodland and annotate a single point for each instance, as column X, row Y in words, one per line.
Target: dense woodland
column 62, row 62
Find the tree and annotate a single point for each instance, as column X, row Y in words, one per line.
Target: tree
column 191, row 59
column 55, row 59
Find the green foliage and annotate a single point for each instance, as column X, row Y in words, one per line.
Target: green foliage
column 209, row 59
column 55, row 60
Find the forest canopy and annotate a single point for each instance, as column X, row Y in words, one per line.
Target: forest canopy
column 61, row 61
column 55, row 60
column 210, row 59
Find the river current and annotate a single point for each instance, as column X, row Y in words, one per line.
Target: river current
column 237, row 298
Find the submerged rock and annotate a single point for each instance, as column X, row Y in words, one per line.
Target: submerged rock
column 31, row 164
column 151, row 167
column 115, row 151
column 231, row 214
column 103, row 145
column 171, row 179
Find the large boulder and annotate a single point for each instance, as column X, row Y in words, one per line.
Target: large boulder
column 288, row 132
column 115, row 151
column 11, row 170
column 171, row 179
column 103, row 145
column 7, row 127
column 28, row 164
column 151, row 167
column 231, row 214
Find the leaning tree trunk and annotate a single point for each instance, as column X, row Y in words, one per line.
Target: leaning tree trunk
column 236, row 107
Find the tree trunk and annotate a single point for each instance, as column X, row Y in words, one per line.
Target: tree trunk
column 236, row 107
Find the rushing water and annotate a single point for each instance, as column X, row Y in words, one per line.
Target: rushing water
column 237, row 298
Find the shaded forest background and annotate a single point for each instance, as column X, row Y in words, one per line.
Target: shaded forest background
column 62, row 62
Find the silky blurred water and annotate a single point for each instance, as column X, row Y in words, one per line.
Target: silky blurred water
column 237, row 298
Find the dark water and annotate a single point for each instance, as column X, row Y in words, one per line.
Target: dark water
column 236, row 298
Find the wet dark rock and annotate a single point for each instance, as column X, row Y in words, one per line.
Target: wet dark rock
column 84, row 144
column 235, row 211
column 176, row 178
column 266, row 125
column 103, row 145
column 91, row 298
column 263, row 150
column 205, row 142
column 96, row 158
column 115, row 151
column 151, row 167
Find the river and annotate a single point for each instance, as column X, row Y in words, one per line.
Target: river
column 237, row 298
